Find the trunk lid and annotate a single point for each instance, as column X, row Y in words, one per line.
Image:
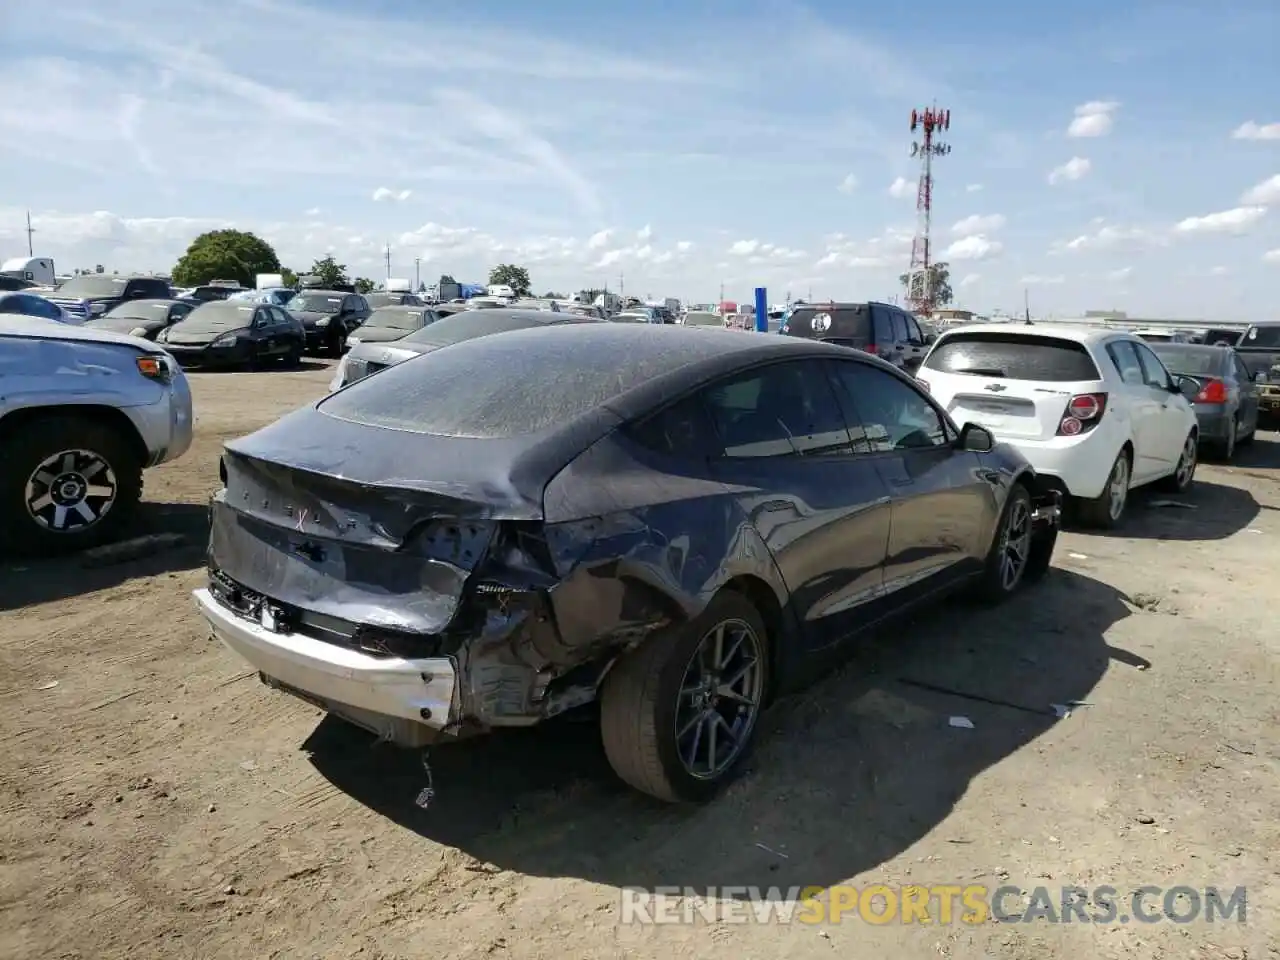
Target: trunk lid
column 307, row 519
column 1016, row 384
column 1012, row 409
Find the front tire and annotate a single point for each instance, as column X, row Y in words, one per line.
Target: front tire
column 1012, row 548
column 69, row 484
column 679, row 714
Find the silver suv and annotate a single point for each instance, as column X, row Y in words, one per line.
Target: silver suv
column 82, row 413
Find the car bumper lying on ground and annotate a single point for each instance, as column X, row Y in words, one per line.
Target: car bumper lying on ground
column 401, row 700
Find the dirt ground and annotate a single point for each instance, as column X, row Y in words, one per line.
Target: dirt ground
column 157, row 801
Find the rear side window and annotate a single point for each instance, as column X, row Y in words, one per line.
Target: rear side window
column 680, row 430
column 1013, row 356
column 1126, row 361
column 1265, row 337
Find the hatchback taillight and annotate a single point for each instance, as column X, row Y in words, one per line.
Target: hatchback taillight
column 1084, row 412
column 1212, row 391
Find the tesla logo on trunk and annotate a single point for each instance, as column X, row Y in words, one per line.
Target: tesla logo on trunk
column 995, row 387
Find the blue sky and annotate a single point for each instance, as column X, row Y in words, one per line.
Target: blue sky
column 753, row 143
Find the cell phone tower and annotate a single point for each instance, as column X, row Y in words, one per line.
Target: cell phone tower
column 929, row 122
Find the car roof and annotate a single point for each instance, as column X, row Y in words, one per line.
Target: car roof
column 38, row 328
column 1213, row 348
column 156, row 300
column 325, row 293
column 1083, row 335
column 402, row 308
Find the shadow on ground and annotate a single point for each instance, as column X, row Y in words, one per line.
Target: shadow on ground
column 1262, row 454
column 29, row 582
column 1208, row 511
column 310, row 364
column 847, row 775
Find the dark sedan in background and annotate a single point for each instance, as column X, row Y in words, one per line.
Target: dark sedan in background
column 387, row 324
column 678, row 523
column 233, row 333
column 368, row 358
column 1225, row 395
column 393, row 299
column 143, row 318
column 328, row 317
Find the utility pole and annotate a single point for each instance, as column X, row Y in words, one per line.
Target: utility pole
column 721, row 293
column 417, row 273
column 30, row 230
column 388, row 261
column 622, row 287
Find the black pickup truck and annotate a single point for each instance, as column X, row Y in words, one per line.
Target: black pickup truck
column 1259, row 348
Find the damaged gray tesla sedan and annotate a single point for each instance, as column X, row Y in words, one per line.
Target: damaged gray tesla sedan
column 681, row 523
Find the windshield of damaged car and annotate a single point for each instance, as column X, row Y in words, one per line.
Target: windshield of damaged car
column 497, row 387
column 396, row 318
column 219, row 315
column 472, row 323
column 139, row 310
column 315, row 303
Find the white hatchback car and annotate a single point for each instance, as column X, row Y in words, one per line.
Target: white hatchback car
column 1094, row 410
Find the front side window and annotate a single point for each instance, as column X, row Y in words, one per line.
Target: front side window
column 887, row 413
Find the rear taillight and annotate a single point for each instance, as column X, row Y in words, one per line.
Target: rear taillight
column 1213, row 391
column 1084, row 411
column 869, row 348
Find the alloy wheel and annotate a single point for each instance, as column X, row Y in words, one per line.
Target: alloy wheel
column 1187, row 463
column 1015, row 544
column 1118, row 489
column 719, row 699
column 70, row 491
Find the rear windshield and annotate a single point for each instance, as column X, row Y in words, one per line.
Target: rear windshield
column 1191, row 361
column 1264, row 337
column 470, row 324
column 316, row 303
column 94, row 286
column 834, row 324
column 498, row 387
column 1013, row 356
column 141, row 309
column 395, row 318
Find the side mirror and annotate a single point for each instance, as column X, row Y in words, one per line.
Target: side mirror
column 1184, row 385
column 976, row 439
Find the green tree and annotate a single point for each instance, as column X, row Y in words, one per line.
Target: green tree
column 329, row 272
column 510, row 275
column 551, row 295
column 225, row 255
column 289, row 277
column 365, row 285
column 940, row 274
column 589, row 296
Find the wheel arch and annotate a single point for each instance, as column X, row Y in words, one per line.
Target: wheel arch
column 107, row 416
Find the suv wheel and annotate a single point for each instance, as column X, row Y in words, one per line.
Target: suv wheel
column 68, row 484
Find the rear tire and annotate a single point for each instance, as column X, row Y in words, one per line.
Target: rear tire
column 1105, row 511
column 292, row 359
column 1184, row 473
column 658, row 703
column 336, row 342
column 68, row 484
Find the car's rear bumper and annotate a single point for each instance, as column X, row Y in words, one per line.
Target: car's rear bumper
column 1076, row 466
column 409, row 702
column 1215, row 423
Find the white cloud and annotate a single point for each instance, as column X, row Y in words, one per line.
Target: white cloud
column 645, row 233
column 1219, row 271
column 684, row 246
column 1093, row 119
column 1077, row 168
column 1265, row 194
column 889, row 251
column 848, row 184
column 973, row 188
column 975, row 247
column 1272, row 256
column 313, row 212
column 1108, row 236
column 976, row 224
column 598, row 241
column 386, row 193
column 758, row 253
column 969, row 279
column 1121, row 274
column 1236, row 220
column 902, row 188
column 1249, row 130
column 1036, row 280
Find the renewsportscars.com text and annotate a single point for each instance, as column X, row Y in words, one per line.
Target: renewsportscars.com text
column 939, row 904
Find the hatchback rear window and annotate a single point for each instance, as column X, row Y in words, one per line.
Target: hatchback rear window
column 1013, row 356
column 837, row 324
